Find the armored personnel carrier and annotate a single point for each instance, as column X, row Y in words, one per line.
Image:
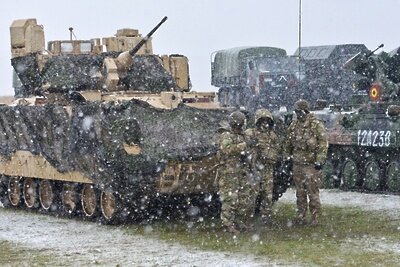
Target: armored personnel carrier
column 364, row 139
column 100, row 127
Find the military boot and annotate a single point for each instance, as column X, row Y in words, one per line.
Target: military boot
column 267, row 218
column 232, row 229
column 314, row 220
column 300, row 220
column 244, row 225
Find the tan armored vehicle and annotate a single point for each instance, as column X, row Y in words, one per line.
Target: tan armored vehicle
column 101, row 127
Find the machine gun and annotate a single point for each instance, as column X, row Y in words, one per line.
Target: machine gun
column 359, row 59
column 373, row 51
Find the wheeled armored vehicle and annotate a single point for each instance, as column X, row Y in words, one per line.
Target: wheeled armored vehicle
column 364, row 138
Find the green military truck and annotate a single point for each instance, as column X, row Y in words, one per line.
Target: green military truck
column 253, row 77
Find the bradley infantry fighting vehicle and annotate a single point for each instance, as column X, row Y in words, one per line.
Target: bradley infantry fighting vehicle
column 365, row 140
column 103, row 126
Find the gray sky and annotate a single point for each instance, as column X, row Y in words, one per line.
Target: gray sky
column 197, row 28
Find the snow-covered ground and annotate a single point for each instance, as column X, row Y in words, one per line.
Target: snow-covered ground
column 386, row 204
column 85, row 243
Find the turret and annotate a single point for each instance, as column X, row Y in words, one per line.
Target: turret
column 124, row 62
column 117, row 68
column 381, row 74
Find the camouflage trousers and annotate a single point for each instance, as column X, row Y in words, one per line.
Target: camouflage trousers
column 266, row 191
column 237, row 199
column 307, row 181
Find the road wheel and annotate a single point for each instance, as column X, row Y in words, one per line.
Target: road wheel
column 89, row 200
column 108, row 204
column 14, row 191
column 350, row 174
column 393, row 176
column 30, row 192
column 69, row 198
column 372, row 175
column 46, row 195
column 4, row 190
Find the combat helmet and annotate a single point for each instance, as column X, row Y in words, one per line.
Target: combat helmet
column 263, row 114
column 223, row 126
column 302, row 105
column 237, row 119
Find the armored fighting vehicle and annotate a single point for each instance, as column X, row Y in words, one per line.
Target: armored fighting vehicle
column 100, row 127
column 364, row 139
column 254, row 77
column 104, row 128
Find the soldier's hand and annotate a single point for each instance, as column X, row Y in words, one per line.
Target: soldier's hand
column 318, row 165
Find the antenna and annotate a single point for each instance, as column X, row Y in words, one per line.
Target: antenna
column 299, row 38
column 71, row 33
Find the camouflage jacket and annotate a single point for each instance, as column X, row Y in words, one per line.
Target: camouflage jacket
column 232, row 149
column 266, row 147
column 306, row 141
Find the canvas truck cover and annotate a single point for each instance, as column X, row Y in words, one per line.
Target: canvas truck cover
column 231, row 63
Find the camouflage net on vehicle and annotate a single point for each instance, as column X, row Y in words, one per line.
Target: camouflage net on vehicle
column 92, row 139
column 82, row 72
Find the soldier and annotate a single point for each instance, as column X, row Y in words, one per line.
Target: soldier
column 264, row 151
column 233, row 173
column 306, row 145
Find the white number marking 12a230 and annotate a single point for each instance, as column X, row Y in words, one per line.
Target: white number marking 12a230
column 373, row 138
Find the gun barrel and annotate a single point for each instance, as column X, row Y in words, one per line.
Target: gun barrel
column 373, row 51
column 134, row 50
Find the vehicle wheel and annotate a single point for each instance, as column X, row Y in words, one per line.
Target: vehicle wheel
column 393, row 176
column 69, row 198
column 46, row 195
column 350, row 174
column 14, row 191
column 329, row 177
column 30, row 192
column 108, row 204
column 372, row 175
column 89, row 200
column 4, row 191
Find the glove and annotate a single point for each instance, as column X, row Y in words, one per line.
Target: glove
column 318, row 166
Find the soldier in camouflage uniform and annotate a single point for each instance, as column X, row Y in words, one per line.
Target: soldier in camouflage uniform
column 264, row 151
column 233, row 173
column 306, row 145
